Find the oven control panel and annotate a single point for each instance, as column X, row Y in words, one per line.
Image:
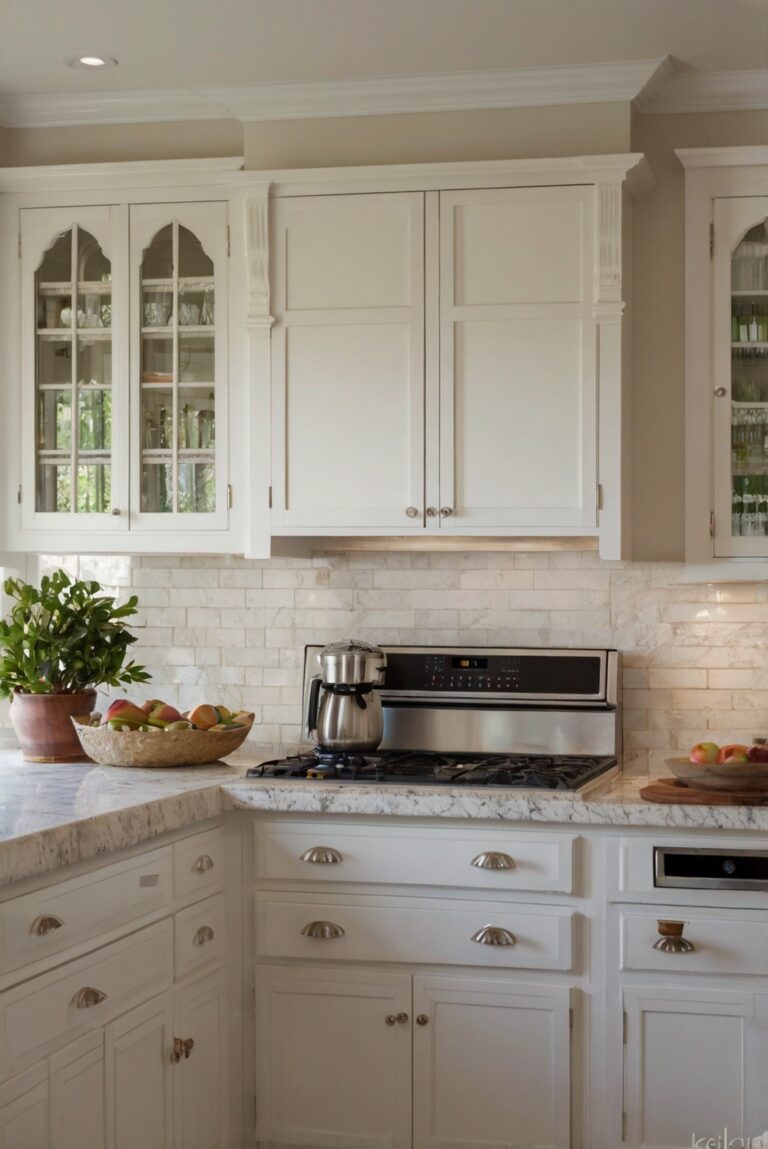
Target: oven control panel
column 476, row 673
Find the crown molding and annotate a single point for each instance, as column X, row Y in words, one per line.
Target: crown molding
column 654, row 87
column 452, row 91
column 706, row 92
column 738, row 157
column 207, row 172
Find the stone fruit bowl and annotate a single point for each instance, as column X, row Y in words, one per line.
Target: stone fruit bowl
column 741, row 776
column 159, row 748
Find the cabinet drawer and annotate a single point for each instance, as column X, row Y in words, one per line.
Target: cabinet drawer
column 199, row 935
column 394, row 930
column 68, row 913
column 724, row 942
column 40, row 1013
column 416, row 857
column 198, row 864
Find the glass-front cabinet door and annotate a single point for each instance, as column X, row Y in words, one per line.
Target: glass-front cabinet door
column 178, row 366
column 74, row 403
column 740, row 314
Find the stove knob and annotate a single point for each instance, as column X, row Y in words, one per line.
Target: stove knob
column 493, row 861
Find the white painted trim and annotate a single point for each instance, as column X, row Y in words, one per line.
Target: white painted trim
column 743, row 157
column 130, row 174
column 368, row 96
column 740, row 91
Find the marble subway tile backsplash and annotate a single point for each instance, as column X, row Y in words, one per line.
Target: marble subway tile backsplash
column 233, row 630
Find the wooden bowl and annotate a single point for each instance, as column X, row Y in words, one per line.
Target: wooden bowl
column 162, row 749
column 741, row 776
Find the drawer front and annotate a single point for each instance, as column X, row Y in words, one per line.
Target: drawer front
column 37, row 1015
column 392, row 931
column 723, row 942
column 198, row 864
column 502, row 860
column 200, row 935
column 69, row 913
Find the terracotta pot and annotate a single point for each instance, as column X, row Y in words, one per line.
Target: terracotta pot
column 43, row 724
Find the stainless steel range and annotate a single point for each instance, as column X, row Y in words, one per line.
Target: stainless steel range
column 498, row 716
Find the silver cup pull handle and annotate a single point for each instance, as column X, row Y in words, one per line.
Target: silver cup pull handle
column 322, row 930
column 45, row 924
column 203, row 864
column 493, row 860
column 87, row 997
column 321, row 855
column 203, row 935
column 671, row 940
column 493, row 936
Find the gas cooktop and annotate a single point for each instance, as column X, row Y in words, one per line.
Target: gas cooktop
column 516, row 771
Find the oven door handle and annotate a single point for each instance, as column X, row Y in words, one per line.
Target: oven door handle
column 315, row 684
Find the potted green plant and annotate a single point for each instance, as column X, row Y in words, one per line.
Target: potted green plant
column 59, row 642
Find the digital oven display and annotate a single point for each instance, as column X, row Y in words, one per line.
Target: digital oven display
column 519, row 673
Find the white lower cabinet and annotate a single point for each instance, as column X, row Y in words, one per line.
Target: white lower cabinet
column 201, row 1078
column 368, row 1060
column 491, row 1064
column 24, row 1110
column 76, row 1091
column 694, row 1067
column 333, row 1062
column 139, row 1083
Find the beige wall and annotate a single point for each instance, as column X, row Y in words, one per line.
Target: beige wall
column 659, row 298
column 103, row 144
column 433, row 137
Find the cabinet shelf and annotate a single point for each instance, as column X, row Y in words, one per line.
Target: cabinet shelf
column 184, row 329
column 83, row 286
column 751, row 345
column 185, row 282
column 82, row 386
column 60, row 332
column 183, row 386
column 162, row 454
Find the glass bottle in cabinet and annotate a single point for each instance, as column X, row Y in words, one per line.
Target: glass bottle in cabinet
column 73, row 383
column 181, row 361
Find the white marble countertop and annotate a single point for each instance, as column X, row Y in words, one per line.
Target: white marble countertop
column 54, row 814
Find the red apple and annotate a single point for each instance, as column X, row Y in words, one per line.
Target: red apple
column 758, row 753
column 733, row 752
column 124, row 711
column 704, row 753
column 163, row 715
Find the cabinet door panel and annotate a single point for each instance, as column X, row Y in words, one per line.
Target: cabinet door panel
column 77, row 1095
column 348, row 361
column 491, row 1064
column 201, row 1078
column 138, row 1077
column 330, row 1070
column 518, row 388
column 24, row 1110
column 694, row 1062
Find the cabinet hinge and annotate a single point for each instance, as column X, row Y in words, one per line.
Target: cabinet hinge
column 711, row 240
column 255, row 1112
column 19, row 245
column 570, row 1018
column 711, row 524
column 229, row 495
column 599, row 496
column 270, row 498
column 624, row 1125
column 227, row 239
column 624, row 1028
column 18, row 494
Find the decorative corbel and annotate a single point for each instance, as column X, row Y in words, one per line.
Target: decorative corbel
column 608, row 244
column 257, row 245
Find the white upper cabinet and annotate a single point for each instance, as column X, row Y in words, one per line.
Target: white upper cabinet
column 348, row 362
column 124, row 429
column 438, row 355
column 518, row 387
column 726, row 355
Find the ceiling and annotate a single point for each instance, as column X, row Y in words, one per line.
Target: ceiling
column 182, row 45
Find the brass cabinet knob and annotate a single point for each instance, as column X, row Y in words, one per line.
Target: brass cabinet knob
column 203, row 864
column 321, row 855
column 493, row 936
column 422, row 1019
column 411, row 512
column 390, row 1019
column 116, row 511
column 87, row 997
column 492, row 860
column 177, row 1052
column 431, row 512
column 401, row 1018
column 203, row 935
column 322, row 930
column 45, row 924
column 671, row 940
column 720, row 392
column 445, row 512
column 188, row 1045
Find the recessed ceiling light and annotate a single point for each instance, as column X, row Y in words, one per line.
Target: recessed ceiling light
column 92, row 62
